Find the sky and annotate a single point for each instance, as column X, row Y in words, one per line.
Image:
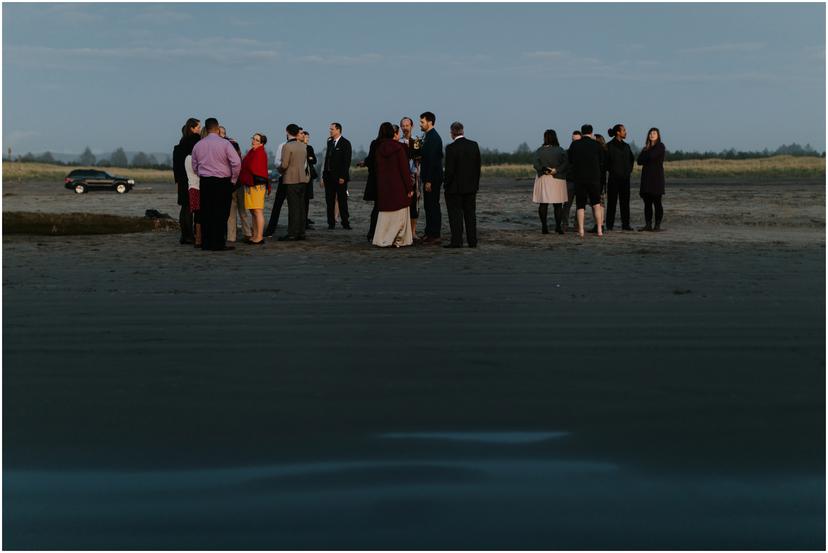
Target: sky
column 710, row 76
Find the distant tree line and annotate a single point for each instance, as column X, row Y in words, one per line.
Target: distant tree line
column 523, row 155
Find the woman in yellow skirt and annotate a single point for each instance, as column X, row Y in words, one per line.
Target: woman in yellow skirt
column 253, row 177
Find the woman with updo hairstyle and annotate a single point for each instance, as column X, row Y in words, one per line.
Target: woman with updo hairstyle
column 189, row 136
column 550, row 164
column 651, row 160
column 254, row 178
column 620, row 161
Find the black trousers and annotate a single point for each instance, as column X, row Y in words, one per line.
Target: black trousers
column 462, row 209
column 278, row 202
column 216, row 195
column 651, row 201
column 431, row 205
column 296, row 209
column 374, row 217
column 185, row 221
column 618, row 188
column 308, row 196
column 333, row 192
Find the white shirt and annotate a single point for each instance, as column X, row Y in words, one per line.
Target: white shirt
column 279, row 154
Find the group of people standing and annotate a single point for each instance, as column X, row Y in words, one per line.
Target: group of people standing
column 592, row 168
column 216, row 184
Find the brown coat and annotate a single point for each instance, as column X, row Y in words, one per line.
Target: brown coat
column 294, row 159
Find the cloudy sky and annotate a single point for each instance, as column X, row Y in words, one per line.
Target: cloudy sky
column 711, row 76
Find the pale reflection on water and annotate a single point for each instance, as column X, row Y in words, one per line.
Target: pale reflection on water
column 435, row 501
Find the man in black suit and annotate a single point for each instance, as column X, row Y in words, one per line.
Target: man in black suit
column 585, row 157
column 431, row 175
column 462, row 181
column 336, row 174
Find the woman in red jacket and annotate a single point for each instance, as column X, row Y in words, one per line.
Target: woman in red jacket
column 253, row 177
column 394, row 191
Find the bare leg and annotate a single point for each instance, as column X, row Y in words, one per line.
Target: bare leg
column 414, row 227
column 598, row 214
column 580, row 216
column 198, row 234
column 258, row 224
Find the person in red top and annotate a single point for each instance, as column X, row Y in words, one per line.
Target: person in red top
column 253, row 177
column 394, row 191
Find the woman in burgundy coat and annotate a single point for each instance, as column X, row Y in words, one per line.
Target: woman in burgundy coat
column 651, row 160
column 394, row 191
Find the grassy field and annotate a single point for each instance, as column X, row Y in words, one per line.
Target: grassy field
column 777, row 166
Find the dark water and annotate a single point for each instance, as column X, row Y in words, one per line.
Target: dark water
column 416, row 490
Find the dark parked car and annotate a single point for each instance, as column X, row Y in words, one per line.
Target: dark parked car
column 82, row 180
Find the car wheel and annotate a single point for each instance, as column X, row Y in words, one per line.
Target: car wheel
column 80, row 189
column 121, row 188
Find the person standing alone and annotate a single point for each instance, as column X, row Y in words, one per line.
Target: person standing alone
column 336, row 174
column 217, row 165
column 462, row 181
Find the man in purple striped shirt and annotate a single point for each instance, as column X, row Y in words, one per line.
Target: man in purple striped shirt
column 218, row 165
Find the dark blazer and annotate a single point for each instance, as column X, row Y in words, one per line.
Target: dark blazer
column 431, row 165
column 370, row 194
column 585, row 160
column 180, row 152
column 652, row 169
column 393, row 178
column 620, row 159
column 462, row 167
column 337, row 161
column 312, row 174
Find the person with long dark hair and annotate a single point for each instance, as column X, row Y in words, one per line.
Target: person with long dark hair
column 620, row 161
column 651, row 160
column 393, row 190
column 190, row 134
column 370, row 192
column 551, row 165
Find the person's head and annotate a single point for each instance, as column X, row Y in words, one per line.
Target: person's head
column 211, row 125
column 305, row 137
column 258, row 140
column 292, row 130
column 335, row 130
column 396, row 132
column 619, row 131
column 456, row 129
column 600, row 139
column 427, row 121
column 406, row 124
column 222, row 132
column 586, row 129
column 192, row 126
column 653, row 136
column 386, row 131
column 550, row 138
column 576, row 135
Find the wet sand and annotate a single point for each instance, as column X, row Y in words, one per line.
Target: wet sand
column 156, row 396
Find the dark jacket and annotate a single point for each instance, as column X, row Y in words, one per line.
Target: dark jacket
column 620, row 159
column 553, row 157
column 431, row 165
column 312, row 174
column 585, row 160
column 370, row 194
column 652, row 169
column 393, row 177
column 180, row 152
column 337, row 161
column 462, row 167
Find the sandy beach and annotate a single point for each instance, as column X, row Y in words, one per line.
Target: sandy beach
column 637, row 391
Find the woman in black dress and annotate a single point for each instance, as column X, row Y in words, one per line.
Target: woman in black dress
column 651, row 160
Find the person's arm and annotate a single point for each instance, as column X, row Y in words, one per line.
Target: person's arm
column 287, row 157
column 563, row 164
column 235, row 162
column 194, row 160
column 346, row 165
column 450, row 166
column 630, row 161
column 536, row 164
column 477, row 165
column 405, row 171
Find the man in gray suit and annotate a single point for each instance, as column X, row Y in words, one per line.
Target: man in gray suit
column 292, row 168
